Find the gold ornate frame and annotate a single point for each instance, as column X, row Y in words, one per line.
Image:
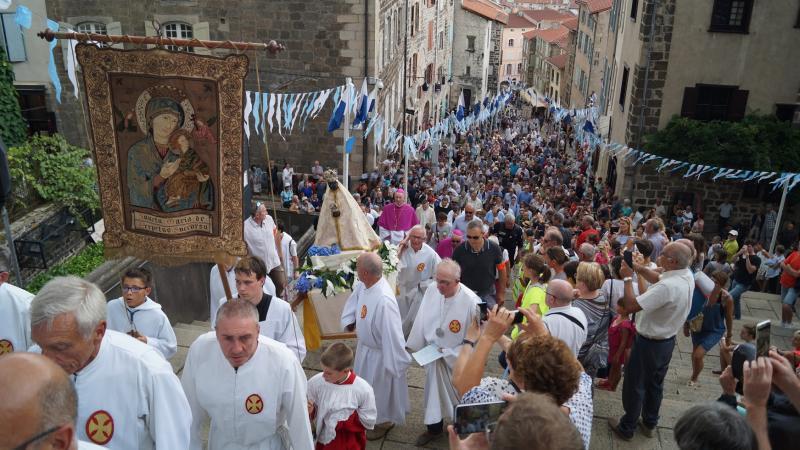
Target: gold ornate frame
column 228, row 73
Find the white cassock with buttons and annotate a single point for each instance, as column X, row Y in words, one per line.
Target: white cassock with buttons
column 261, row 405
column 442, row 322
column 415, row 275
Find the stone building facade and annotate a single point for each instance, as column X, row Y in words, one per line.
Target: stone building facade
column 476, row 38
column 326, row 41
column 591, row 59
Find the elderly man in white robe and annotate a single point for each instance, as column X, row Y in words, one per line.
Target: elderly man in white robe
column 381, row 358
column 276, row 319
column 251, row 387
column 217, row 290
column 128, row 396
column 417, row 265
column 447, row 311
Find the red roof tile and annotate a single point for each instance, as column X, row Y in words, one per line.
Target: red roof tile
column 487, row 9
column 519, row 20
column 548, row 14
column 552, row 35
column 571, row 23
column 596, row 6
column 559, row 61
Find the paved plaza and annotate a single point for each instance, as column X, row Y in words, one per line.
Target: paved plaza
column 677, row 395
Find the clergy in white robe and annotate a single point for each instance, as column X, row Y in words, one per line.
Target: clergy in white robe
column 15, row 322
column 447, row 310
column 275, row 316
column 417, row 265
column 128, row 396
column 381, row 358
column 217, row 291
column 251, row 387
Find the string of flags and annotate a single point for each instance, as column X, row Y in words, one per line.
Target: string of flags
column 586, row 132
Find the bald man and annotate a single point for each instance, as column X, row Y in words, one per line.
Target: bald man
column 381, row 357
column 417, row 265
column 661, row 312
column 40, row 405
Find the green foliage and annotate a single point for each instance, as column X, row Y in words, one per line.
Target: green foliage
column 13, row 128
column 56, row 171
column 79, row 265
column 759, row 142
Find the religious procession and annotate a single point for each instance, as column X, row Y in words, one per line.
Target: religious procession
column 511, row 264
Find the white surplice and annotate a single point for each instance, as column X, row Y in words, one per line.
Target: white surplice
column 337, row 402
column 260, row 241
column 281, row 325
column 130, row 399
column 453, row 316
column 416, row 271
column 217, row 291
column 148, row 319
column 259, row 406
column 15, row 319
column 381, row 358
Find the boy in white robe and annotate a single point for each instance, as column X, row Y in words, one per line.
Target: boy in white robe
column 15, row 303
column 275, row 317
column 417, row 265
column 447, row 310
column 128, row 396
column 217, row 291
column 251, row 388
column 342, row 403
column 381, row 358
column 136, row 315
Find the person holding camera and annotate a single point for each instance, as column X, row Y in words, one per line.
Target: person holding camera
column 661, row 311
column 745, row 266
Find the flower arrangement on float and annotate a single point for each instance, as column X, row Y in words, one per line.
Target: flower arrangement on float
column 317, row 271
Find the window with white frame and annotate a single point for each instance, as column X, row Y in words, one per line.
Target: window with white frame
column 178, row 30
column 92, row 27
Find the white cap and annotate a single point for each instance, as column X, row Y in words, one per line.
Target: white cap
column 733, row 232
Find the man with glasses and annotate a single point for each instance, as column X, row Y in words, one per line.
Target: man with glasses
column 417, row 265
column 137, row 315
column 562, row 320
column 130, row 398
column 39, row 407
column 461, row 222
column 481, row 264
column 396, row 219
column 447, row 311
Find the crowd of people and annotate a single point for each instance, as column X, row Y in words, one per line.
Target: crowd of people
column 506, row 242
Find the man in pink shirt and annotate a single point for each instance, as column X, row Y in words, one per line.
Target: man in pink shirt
column 446, row 247
column 396, row 219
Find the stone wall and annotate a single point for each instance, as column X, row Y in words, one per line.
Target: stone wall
column 650, row 185
column 648, row 85
column 495, row 56
column 324, row 41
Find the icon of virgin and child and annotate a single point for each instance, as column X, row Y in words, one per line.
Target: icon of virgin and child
column 164, row 171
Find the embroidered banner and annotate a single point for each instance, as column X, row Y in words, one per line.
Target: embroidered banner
column 160, row 121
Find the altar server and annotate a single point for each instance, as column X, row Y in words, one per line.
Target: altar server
column 276, row 319
column 446, row 313
column 15, row 303
column 217, row 291
column 381, row 358
column 417, row 264
column 251, row 387
column 341, row 403
column 396, row 219
column 137, row 315
column 128, row 396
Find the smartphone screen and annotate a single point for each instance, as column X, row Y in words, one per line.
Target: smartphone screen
column 627, row 255
column 484, row 308
column 762, row 338
column 478, row 417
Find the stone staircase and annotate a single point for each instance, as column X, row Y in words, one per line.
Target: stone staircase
column 677, row 395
